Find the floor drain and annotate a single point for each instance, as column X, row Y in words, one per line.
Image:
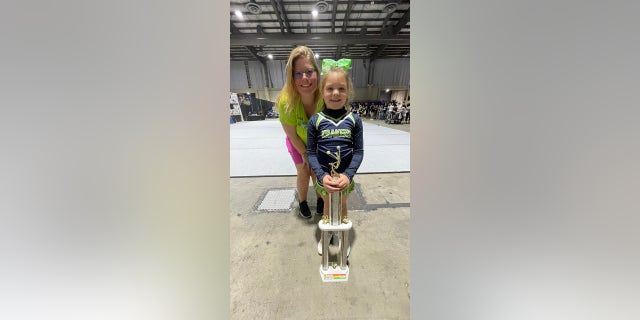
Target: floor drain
column 277, row 200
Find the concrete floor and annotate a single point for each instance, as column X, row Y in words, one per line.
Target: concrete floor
column 275, row 265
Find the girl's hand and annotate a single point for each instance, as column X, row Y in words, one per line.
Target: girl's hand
column 342, row 182
column 334, row 185
column 330, row 184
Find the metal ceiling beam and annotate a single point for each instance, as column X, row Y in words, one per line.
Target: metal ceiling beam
column 353, row 19
column 314, row 39
column 336, row 55
column 305, row 12
column 346, row 17
column 394, row 31
column 282, row 17
column 402, row 23
column 275, row 8
column 376, row 54
column 263, row 61
column 333, row 16
column 386, row 20
column 233, row 28
column 338, row 52
column 254, row 53
column 252, row 50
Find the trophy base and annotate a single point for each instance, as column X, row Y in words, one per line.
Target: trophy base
column 334, row 274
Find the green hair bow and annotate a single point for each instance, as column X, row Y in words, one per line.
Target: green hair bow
column 327, row 64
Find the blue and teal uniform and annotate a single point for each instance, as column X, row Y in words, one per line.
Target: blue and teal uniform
column 328, row 130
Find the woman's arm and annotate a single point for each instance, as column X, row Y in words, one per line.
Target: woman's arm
column 312, row 147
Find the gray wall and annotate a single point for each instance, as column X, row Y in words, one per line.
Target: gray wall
column 359, row 94
column 384, row 74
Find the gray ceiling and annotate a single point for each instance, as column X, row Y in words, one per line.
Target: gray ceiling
column 343, row 29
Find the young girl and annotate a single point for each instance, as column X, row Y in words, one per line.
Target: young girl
column 335, row 132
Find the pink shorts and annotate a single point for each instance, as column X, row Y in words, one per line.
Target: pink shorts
column 295, row 155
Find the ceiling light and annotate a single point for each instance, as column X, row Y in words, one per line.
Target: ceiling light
column 317, row 56
column 239, row 14
column 270, row 56
column 314, row 13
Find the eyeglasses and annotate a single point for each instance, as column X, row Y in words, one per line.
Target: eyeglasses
column 298, row 75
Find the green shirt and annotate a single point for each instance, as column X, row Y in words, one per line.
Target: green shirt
column 297, row 117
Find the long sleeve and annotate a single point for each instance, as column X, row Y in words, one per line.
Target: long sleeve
column 358, row 149
column 312, row 149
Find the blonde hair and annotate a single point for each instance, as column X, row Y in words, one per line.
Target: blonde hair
column 345, row 74
column 289, row 92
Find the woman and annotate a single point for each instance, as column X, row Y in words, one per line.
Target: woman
column 299, row 99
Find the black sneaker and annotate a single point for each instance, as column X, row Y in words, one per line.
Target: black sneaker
column 320, row 206
column 304, row 210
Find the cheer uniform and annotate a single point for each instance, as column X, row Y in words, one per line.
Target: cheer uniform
column 334, row 131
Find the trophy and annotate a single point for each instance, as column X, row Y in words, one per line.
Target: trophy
column 334, row 223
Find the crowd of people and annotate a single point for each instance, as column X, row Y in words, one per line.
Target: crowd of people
column 391, row 111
